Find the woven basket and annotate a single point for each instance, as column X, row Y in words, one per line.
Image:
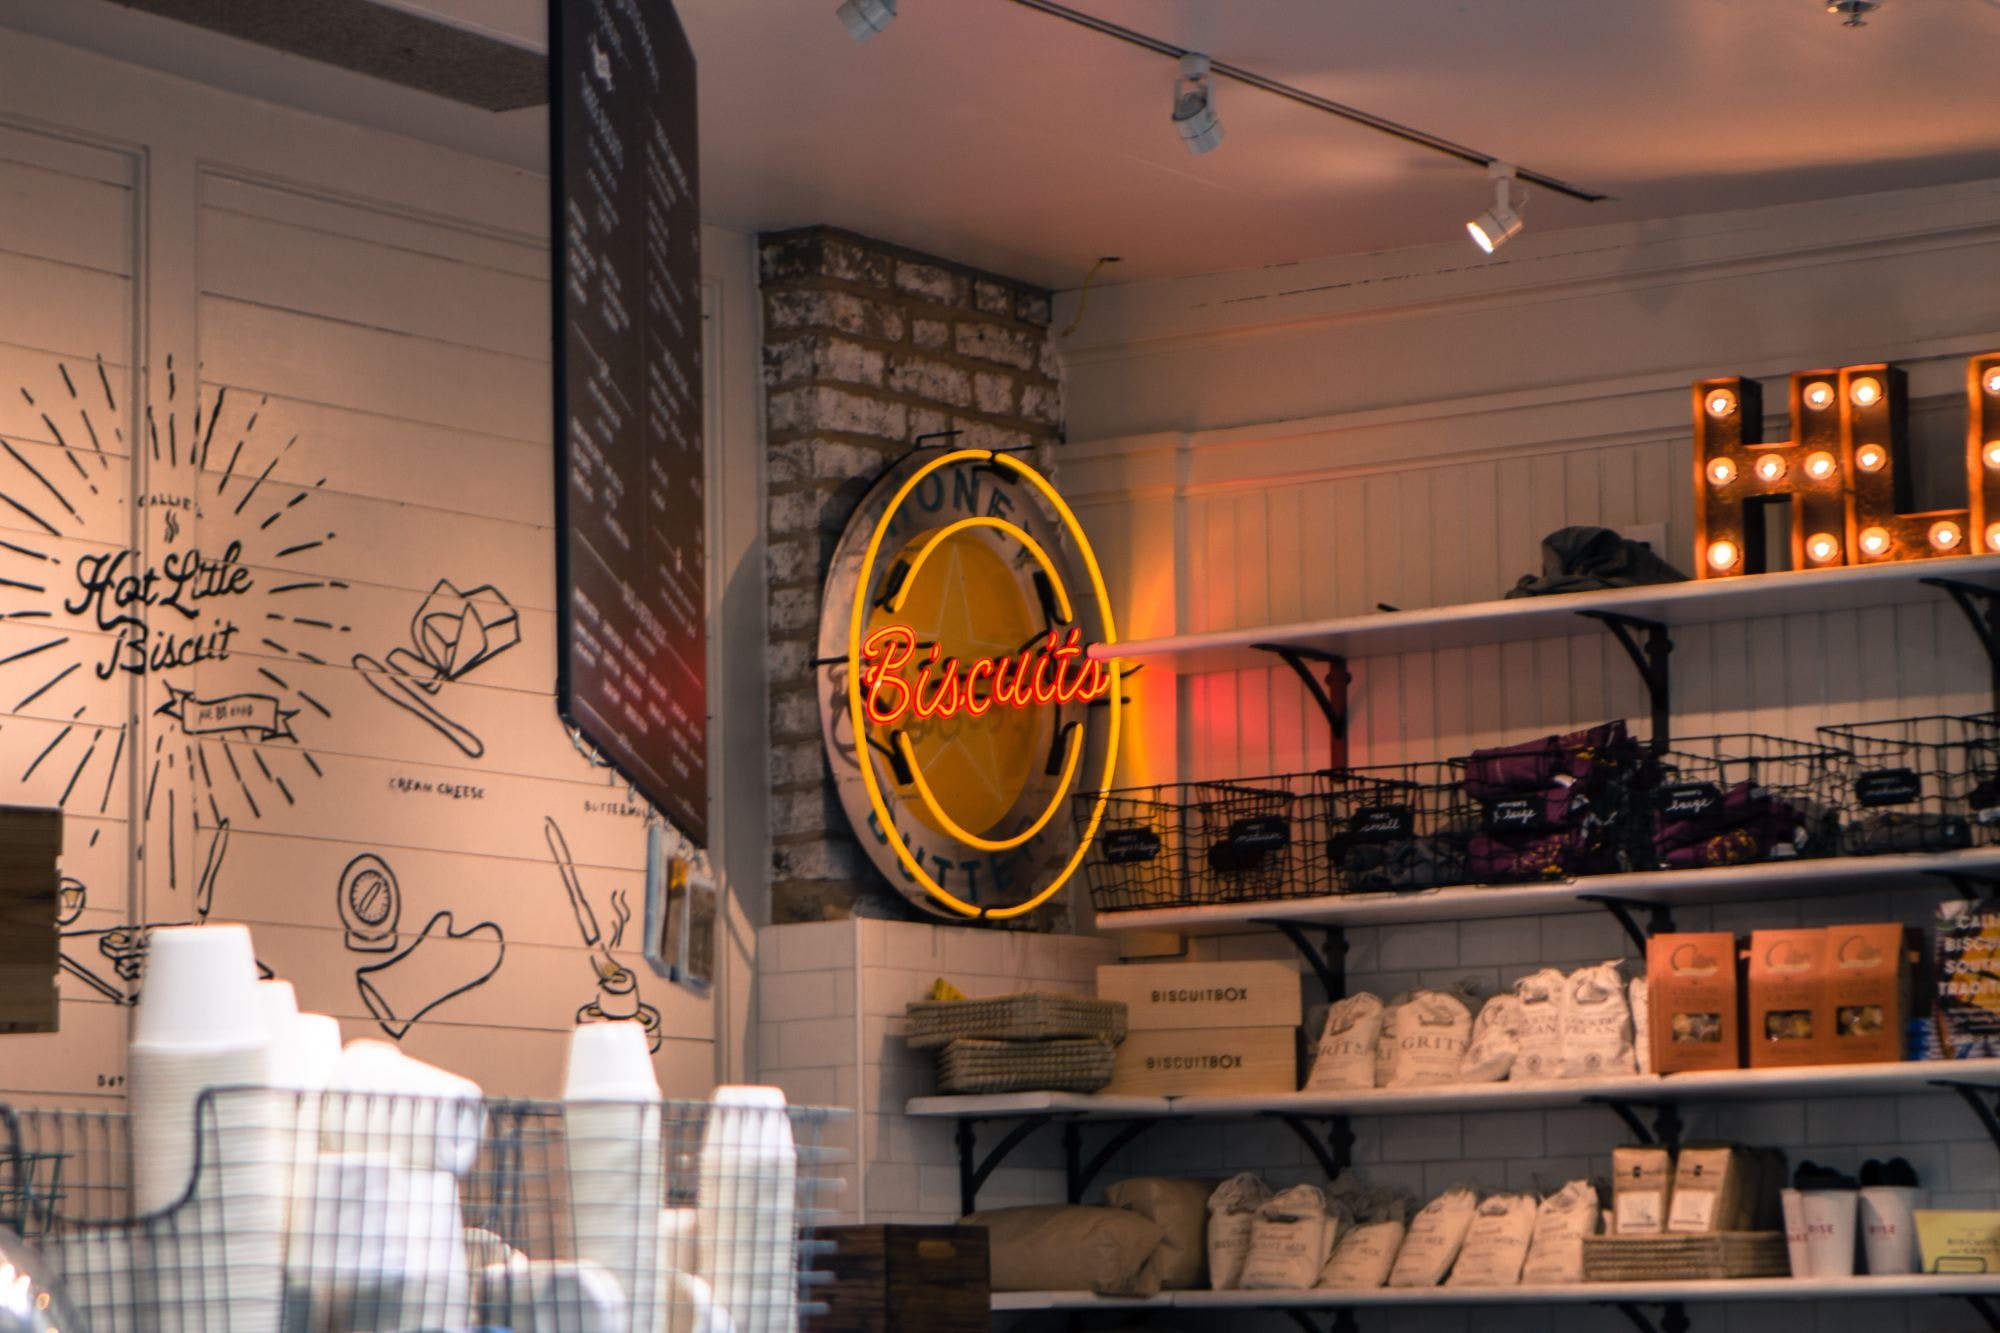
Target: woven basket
column 970, row 1065
column 1721, row 1254
column 1028, row 1017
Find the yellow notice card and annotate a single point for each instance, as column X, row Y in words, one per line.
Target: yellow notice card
column 1959, row 1242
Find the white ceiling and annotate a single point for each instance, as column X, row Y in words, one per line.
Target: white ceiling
column 987, row 132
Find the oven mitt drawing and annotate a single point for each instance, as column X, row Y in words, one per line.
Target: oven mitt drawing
column 439, row 964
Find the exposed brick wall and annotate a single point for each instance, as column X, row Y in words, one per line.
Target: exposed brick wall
column 866, row 347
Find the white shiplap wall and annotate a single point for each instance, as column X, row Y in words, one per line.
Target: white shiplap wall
column 343, row 341
column 1311, row 441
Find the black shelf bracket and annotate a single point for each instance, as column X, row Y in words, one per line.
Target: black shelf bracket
column 1334, row 1151
column 1343, row 1320
column 1984, row 887
column 1654, row 660
column 1673, row 1318
column 1981, row 606
column 1971, row 1094
column 1330, row 695
column 1328, row 961
column 1659, row 916
column 972, row 1177
column 1984, row 1309
column 1665, row 1129
column 1079, row 1174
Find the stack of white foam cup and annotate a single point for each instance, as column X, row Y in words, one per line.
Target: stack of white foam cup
column 216, row 1183
column 746, row 1238
column 617, row 1170
column 376, row 1242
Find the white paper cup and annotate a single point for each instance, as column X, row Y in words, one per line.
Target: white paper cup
column 610, row 1062
column 199, row 989
column 279, row 1004
column 1889, row 1228
column 747, row 1239
column 1830, row 1226
column 617, row 1175
column 379, row 1100
column 552, row 1296
column 380, row 1246
column 1795, row 1232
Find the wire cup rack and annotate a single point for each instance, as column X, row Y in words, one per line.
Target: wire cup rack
column 369, row 1213
column 1919, row 784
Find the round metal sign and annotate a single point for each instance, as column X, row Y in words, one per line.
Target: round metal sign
column 971, row 734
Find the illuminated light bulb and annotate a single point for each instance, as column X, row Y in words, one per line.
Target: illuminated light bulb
column 1992, row 453
column 1822, row 547
column 1723, row 555
column 1721, row 472
column 1871, row 457
column 1866, row 391
column 1818, row 394
column 1993, row 536
column 1771, row 467
column 1874, row 541
column 1993, row 379
column 1820, row 465
column 1945, row 534
column 1721, row 403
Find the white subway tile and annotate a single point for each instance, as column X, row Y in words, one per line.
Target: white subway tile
column 1503, row 1134
column 1421, row 1138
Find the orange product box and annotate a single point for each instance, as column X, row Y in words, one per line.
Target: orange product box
column 1791, row 1010
column 1869, row 980
column 1694, row 1001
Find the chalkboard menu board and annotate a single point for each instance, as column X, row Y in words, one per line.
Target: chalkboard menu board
column 626, row 232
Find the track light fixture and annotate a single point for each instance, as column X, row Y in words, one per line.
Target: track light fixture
column 1502, row 222
column 1854, row 13
column 865, row 18
column 1194, row 106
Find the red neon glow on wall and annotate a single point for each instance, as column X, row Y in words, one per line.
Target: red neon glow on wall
column 1055, row 673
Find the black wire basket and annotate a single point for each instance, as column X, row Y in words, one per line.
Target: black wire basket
column 1134, row 861
column 1252, row 841
column 1396, row 827
column 366, row 1213
column 1742, row 797
column 1559, row 807
column 1919, row 784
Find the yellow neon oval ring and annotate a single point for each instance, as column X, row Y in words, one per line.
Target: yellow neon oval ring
column 971, row 839
column 944, row 534
column 858, row 720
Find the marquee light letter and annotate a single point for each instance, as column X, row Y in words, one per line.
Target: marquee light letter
column 1845, row 472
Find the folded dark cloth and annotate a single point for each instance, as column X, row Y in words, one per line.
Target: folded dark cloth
column 1696, row 824
column 1586, row 559
column 1896, row 832
column 1579, row 756
column 1500, row 858
column 1391, row 867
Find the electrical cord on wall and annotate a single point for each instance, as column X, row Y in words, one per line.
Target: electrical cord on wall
column 1083, row 292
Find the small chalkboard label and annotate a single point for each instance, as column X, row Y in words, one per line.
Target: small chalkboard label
column 1687, row 800
column 1260, row 833
column 1126, row 845
column 1889, row 786
column 1382, row 823
column 1522, row 812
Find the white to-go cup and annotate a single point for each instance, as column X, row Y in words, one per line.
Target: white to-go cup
column 1795, row 1232
column 1889, row 1228
column 611, row 1124
column 1830, row 1224
column 199, row 991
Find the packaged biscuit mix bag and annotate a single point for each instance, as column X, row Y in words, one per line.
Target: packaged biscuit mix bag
column 1291, row 1239
column 1711, row 1187
column 1555, row 1254
column 1966, row 944
column 1790, row 1017
column 1435, row 1235
column 1868, row 977
column 1642, row 1183
column 1495, row 1041
column 1692, row 1002
column 1232, row 1215
column 1496, row 1244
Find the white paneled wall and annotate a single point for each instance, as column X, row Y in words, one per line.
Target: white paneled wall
column 1402, row 429
column 319, row 357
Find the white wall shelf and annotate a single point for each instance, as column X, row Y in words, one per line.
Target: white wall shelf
column 1649, row 888
column 1825, row 1081
column 1475, row 623
column 1915, row 1287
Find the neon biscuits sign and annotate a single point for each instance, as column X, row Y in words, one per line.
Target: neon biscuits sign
column 971, row 732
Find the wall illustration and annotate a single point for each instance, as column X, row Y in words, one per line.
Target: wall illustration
column 401, row 989
column 617, row 996
column 451, row 634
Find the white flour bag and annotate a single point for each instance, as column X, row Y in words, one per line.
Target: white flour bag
column 1642, row 1025
column 1496, row 1244
column 1434, row 1239
column 1363, row 1256
column 1540, row 1027
column 1385, row 1043
column 1495, row 1042
column 1432, row 1031
column 1232, row 1212
column 1290, row 1241
column 1596, row 1024
column 1346, row 1057
column 1556, row 1255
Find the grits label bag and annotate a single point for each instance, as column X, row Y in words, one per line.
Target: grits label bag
column 1346, row 1056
